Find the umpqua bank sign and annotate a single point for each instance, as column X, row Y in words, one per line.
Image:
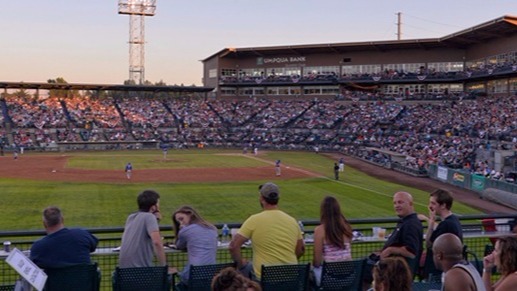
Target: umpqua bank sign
column 280, row 60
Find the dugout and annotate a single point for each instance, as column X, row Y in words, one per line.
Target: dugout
column 387, row 157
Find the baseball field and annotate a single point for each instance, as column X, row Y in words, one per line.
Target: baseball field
column 93, row 190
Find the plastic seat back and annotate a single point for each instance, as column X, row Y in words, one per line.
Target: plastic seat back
column 200, row 277
column 141, row 279
column 84, row 277
column 293, row 277
column 346, row 275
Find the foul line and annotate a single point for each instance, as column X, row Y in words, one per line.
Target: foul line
column 326, row 178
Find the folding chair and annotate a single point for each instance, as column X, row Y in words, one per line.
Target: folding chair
column 143, row 278
column 200, row 277
column 293, row 277
column 475, row 261
column 346, row 275
column 84, row 277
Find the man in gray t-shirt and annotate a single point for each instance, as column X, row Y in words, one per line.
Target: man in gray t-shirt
column 141, row 237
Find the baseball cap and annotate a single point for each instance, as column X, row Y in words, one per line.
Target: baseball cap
column 269, row 190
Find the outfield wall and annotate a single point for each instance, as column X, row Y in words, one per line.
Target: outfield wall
column 501, row 192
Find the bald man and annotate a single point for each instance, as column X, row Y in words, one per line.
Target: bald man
column 459, row 273
column 406, row 240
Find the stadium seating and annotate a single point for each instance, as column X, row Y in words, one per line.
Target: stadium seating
column 346, row 275
column 144, row 278
column 200, row 277
column 84, row 277
column 293, row 277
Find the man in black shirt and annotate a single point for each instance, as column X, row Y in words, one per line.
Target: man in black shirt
column 440, row 204
column 406, row 240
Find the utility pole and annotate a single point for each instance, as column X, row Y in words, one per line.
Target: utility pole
column 399, row 25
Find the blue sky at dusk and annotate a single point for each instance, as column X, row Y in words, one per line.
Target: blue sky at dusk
column 87, row 41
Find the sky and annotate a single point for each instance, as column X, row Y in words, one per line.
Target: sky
column 87, row 41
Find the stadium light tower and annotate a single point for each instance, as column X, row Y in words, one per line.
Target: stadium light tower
column 137, row 10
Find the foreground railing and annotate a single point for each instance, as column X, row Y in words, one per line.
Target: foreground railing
column 476, row 237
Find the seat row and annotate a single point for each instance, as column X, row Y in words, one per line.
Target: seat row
column 345, row 275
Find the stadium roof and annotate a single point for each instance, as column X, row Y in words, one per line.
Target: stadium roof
column 497, row 28
column 103, row 87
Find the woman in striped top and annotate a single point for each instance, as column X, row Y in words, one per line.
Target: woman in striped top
column 332, row 238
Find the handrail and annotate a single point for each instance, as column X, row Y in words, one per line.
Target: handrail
column 354, row 221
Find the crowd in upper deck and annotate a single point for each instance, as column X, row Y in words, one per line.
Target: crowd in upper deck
column 447, row 132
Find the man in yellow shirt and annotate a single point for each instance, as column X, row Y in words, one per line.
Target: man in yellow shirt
column 275, row 236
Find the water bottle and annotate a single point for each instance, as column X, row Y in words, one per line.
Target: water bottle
column 225, row 234
column 300, row 223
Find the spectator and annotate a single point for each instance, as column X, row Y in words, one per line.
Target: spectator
column 332, row 238
column 392, row 274
column 406, row 240
column 62, row 246
column 195, row 235
column 513, row 225
column 231, row 280
column 504, row 257
column 276, row 237
column 141, row 237
column 459, row 274
column 440, row 203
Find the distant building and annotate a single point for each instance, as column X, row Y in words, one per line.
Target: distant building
column 478, row 60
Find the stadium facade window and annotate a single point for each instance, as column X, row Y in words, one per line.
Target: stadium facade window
column 404, row 89
column 479, row 87
column 513, row 85
column 253, row 72
column 455, row 88
column 283, row 91
column 321, row 70
column 492, row 60
column 272, row 90
column 476, row 64
column 228, row 91
column 252, row 91
column 328, row 90
column 295, row 91
column 228, row 73
column 212, row 73
column 497, row 86
column 444, row 88
column 278, row 71
column 321, row 90
column 446, row 66
column 361, row 69
column 408, row 68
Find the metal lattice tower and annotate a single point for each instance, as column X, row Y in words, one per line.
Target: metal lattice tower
column 137, row 10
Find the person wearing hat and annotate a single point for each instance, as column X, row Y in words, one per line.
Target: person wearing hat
column 275, row 236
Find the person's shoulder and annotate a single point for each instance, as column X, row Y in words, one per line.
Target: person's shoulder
column 78, row 230
column 457, row 276
column 508, row 283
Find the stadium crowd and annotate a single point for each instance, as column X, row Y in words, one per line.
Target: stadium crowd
column 440, row 132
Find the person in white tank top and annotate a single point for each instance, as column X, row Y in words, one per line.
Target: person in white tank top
column 458, row 274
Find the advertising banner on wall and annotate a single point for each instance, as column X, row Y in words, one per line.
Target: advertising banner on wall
column 442, row 173
column 478, row 183
column 458, row 179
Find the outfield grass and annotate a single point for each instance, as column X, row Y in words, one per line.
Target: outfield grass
column 104, row 204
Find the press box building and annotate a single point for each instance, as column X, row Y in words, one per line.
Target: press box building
column 481, row 59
